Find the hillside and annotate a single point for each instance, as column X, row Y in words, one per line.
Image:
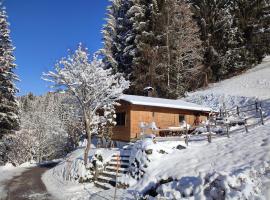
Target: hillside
column 228, row 168
column 241, row 89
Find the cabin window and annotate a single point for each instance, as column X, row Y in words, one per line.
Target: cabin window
column 121, row 119
column 181, row 118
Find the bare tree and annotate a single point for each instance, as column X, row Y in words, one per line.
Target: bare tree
column 92, row 86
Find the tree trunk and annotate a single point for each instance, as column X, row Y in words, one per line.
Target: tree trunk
column 88, row 146
column 168, row 50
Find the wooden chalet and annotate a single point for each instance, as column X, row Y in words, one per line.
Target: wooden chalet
column 165, row 113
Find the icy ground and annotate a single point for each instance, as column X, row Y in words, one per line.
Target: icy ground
column 7, row 172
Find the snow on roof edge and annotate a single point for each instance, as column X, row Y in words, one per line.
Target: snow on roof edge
column 161, row 102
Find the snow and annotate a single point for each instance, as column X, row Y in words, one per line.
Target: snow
column 237, row 167
column 63, row 183
column 7, row 172
column 160, row 102
column 230, row 156
column 255, row 83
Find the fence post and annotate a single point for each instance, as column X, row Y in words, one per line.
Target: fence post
column 246, row 128
column 186, row 139
column 227, row 129
column 237, row 110
column 261, row 114
column 209, row 133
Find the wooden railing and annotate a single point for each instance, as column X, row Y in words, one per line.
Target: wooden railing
column 256, row 111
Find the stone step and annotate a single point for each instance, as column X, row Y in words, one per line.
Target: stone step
column 104, row 186
column 113, row 169
column 111, row 174
column 121, row 164
column 122, row 160
column 121, row 155
column 104, row 179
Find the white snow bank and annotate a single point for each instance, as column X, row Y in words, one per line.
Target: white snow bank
column 224, row 158
column 73, row 169
column 242, row 184
column 143, row 153
column 70, row 179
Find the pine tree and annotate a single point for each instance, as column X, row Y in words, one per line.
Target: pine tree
column 253, row 19
column 118, row 38
column 215, row 22
column 9, row 120
column 147, row 67
column 183, row 48
column 168, row 46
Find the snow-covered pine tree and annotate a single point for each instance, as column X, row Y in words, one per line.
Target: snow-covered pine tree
column 147, row 67
column 168, row 44
column 9, row 120
column 253, row 20
column 118, row 38
column 215, row 22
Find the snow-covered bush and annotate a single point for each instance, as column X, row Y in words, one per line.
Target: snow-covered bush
column 147, row 150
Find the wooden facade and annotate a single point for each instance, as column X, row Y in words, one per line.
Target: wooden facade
column 162, row 116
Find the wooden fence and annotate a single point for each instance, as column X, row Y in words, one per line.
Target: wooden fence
column 257, row 111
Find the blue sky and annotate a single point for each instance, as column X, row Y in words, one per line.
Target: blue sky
column 43, row 30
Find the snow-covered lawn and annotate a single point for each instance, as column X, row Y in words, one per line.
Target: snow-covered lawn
column 242, row 162
column 7, row 172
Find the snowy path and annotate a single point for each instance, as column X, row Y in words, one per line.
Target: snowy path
column 28, row 185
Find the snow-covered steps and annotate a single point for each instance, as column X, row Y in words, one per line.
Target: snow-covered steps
column 121, row 159
column 119, row 164
column 114, row 169
column 111, row 174
column 104, row 186
column 105, row 179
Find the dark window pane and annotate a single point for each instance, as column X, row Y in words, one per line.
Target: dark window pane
column 181, row 118
column 121, row 119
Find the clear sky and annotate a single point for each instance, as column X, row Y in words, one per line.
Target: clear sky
column 43, row 30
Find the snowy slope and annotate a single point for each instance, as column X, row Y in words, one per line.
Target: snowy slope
column 248, row 154
column 255, row 83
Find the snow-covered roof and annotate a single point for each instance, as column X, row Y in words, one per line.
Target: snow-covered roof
column 166, row 103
